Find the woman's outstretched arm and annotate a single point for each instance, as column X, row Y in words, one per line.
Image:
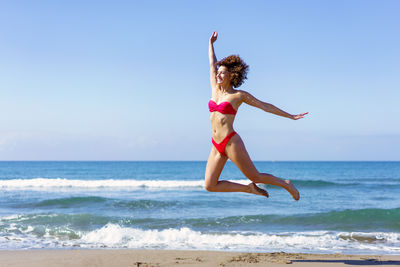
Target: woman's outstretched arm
column 212, row 59
column 252, row 101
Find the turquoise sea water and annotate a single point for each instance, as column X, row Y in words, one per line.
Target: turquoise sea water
column 346, row 207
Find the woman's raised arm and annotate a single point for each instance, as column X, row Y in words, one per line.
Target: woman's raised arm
column 212, row 59
column 252, row 101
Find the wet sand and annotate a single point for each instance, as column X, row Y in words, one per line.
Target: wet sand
column 147, row 258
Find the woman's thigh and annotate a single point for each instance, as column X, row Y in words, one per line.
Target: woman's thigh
column 215, row 165
column 237, row 153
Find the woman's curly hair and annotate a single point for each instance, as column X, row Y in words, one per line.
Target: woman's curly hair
column 237, row 67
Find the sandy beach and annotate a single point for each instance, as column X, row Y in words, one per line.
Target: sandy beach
column 147, row 258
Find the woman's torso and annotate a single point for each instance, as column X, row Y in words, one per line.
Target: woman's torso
column 222, row 124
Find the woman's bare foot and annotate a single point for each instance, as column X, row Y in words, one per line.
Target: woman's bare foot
column 292, row 190
column 254, row 189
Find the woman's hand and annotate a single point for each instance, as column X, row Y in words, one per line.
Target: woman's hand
column 213, row 37
column 300, row 116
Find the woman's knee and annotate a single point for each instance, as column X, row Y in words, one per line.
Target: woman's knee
column 209, row 187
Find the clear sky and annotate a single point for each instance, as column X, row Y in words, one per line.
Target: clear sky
column 128, row 80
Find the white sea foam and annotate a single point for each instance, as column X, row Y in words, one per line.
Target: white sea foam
column 116, row 236
column 43, row 183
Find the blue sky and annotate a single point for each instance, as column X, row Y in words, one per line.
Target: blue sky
column 128, row 80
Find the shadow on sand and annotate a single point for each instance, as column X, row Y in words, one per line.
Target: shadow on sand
column 365, row 262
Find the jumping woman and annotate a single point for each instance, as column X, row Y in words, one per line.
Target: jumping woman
column 225, row 75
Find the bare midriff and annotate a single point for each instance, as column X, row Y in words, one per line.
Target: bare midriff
column 221, row 125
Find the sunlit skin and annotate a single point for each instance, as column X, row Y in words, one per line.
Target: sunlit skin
column 222, row 125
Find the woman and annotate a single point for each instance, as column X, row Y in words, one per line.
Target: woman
column 223, row 106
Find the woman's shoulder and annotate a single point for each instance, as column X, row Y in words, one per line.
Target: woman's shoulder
column 241, row 94
column 239, row 97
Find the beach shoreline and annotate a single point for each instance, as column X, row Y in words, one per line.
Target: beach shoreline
column 160, row 258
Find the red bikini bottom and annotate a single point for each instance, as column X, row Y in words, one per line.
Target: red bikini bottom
column 221, row 146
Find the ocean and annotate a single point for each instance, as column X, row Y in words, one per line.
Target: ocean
column 345, row 207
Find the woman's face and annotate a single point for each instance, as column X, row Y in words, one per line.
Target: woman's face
column 223, row 76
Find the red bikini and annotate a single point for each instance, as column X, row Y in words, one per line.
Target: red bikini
column 224, row 108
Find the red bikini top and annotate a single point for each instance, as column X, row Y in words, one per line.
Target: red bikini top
column 223, row 107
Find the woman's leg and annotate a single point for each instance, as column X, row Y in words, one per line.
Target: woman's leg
column 237, row 152
column 215, row 164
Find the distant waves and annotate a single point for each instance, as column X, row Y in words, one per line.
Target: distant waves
column 43, row 183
